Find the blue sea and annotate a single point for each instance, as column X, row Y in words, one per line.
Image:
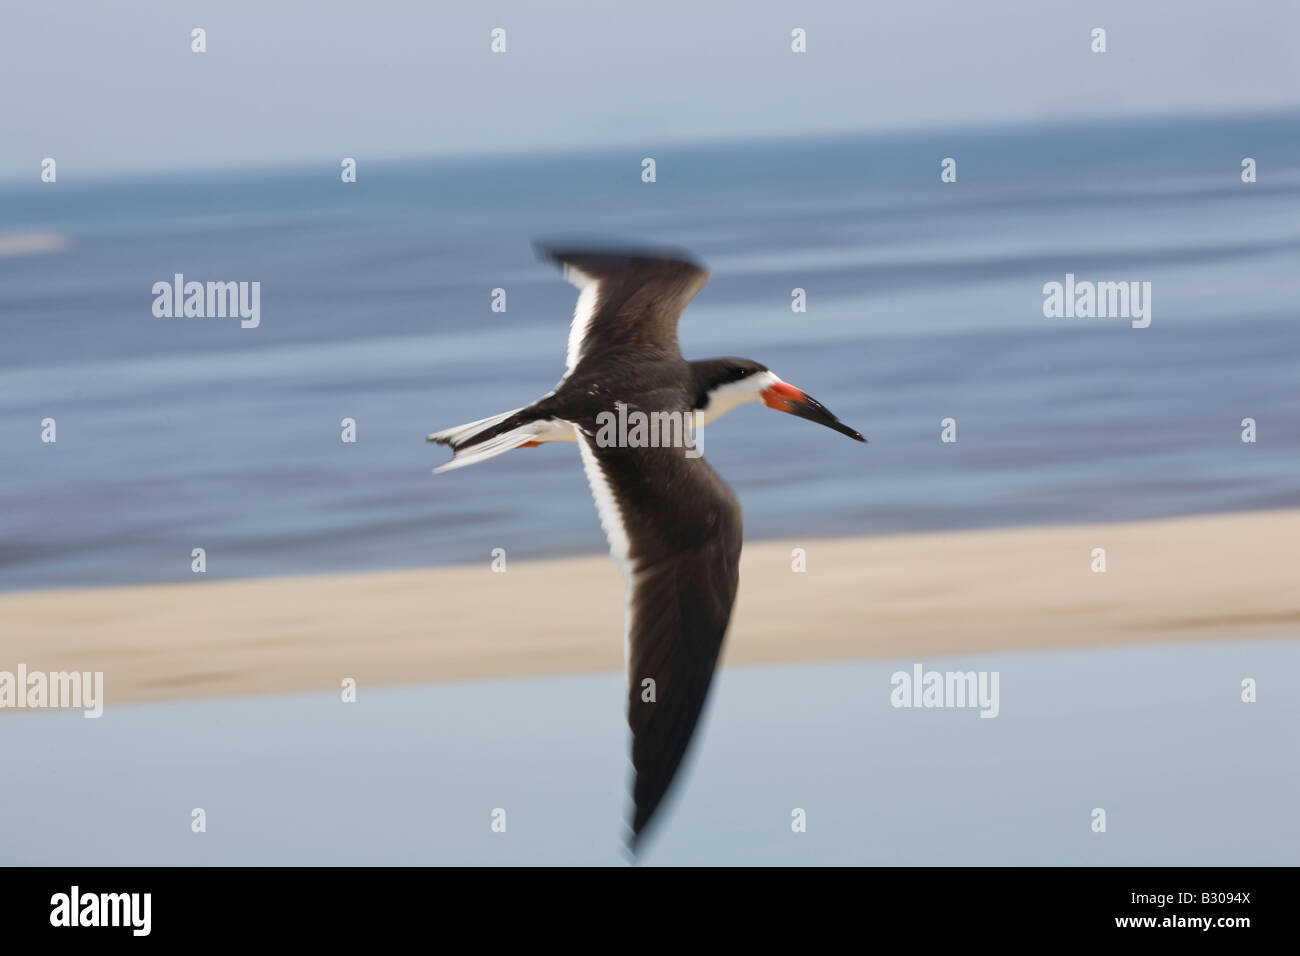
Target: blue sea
column 924, row 302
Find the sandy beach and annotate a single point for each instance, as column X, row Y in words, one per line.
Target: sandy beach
column 1188, row 579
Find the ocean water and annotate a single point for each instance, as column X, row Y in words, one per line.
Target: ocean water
column 924, row 303
column 1157, row 737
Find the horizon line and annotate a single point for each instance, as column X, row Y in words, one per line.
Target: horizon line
column 816, row 136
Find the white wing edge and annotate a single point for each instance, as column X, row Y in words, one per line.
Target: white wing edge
column 611, row 520
column 582, row 315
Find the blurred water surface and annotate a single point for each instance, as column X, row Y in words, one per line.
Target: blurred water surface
column 924, row 303
column 1158, row 737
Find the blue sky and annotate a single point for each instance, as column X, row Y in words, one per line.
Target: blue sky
column 108, row 87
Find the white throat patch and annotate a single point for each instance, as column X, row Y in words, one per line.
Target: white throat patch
column 726, row 397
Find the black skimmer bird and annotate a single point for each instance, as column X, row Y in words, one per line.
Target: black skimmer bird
column 673, row 525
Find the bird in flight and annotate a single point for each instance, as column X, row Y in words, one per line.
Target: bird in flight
column 673, row 525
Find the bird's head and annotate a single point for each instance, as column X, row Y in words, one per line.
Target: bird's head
column 726, row 383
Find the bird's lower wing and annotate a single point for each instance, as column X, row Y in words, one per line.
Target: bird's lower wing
column 675, row 528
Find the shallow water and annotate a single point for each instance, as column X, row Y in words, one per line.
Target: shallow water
column 1156, row 736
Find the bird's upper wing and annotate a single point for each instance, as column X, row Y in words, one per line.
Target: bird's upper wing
column 626, row 297
column 675, row 528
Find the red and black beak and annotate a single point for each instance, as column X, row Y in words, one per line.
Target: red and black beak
column 784, row 397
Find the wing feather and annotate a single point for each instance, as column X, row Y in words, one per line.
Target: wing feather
column 675, row 528
column 627, row 297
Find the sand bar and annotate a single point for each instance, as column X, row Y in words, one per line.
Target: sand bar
column 1210, row 577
